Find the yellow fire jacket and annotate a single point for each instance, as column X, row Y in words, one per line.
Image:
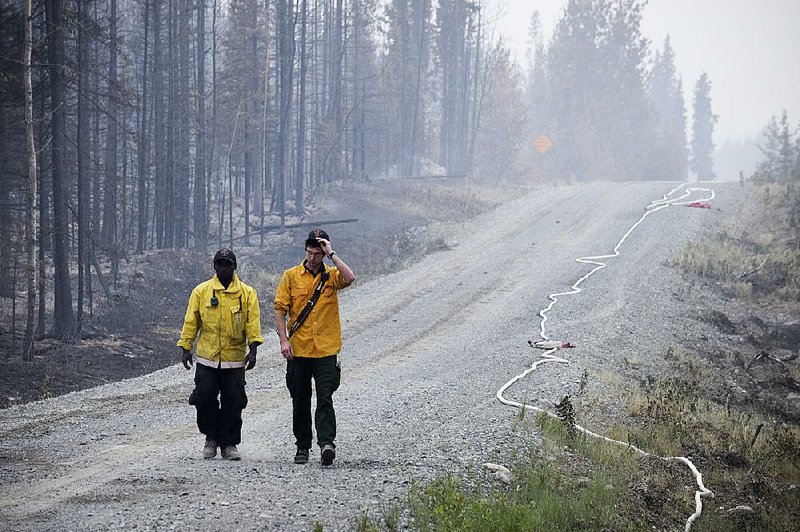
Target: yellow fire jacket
column 321, row 334
column 227, row 321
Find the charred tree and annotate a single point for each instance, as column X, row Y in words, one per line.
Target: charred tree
column 201, row 166
column 83, row 144
column 30, row 201
column 108, row 233
column 63, row 315
column 285, row 26
column 299, row 206
column 159, row 130
column 143, row 148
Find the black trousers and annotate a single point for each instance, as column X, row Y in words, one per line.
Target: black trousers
column 327, row 376
column 219, row 418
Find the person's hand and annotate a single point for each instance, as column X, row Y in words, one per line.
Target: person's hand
column 286, row 350
column 186, row 358
column 251, row 357
column 325, row 245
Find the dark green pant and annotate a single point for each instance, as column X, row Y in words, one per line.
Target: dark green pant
column 327, row 376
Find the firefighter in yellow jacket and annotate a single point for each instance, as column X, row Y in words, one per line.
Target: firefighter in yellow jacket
column 312, row 353
column 223, row 315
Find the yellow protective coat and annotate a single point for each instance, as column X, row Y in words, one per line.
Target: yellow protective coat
column 321, row 334
column 225, row 330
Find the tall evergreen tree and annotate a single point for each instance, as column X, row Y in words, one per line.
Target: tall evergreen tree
column 796, row 167
column 703, row 121
column 625, row 117
column 786, row 150
column 669, row 155
column 182, row 120
column 366, row 106
column 536, row 88
column 572, row 67
column 779, row 151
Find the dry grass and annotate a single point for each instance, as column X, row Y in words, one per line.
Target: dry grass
column 746, row 459
column 751, row 263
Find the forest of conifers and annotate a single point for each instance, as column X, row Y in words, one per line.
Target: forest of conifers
column 130, row 125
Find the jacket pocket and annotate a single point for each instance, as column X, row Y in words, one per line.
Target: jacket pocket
column 208, row 331
column 209, row 313
column 237, row 324
column 298, row 292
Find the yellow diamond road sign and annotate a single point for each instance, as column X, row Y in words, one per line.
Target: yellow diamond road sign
column 542, row 143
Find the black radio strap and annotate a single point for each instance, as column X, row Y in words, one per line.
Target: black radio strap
column 309, row 305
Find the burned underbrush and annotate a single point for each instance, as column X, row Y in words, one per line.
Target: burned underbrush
column 131, row 327
column 752, row 270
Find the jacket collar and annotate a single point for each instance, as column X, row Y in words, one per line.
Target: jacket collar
column 304, row 270
column 233, row 287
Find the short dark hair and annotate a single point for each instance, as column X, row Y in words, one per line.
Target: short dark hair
column 312, row 241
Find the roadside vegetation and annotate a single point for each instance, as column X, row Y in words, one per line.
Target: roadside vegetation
column 747, row 451
column 567, row 481
column 755, row 263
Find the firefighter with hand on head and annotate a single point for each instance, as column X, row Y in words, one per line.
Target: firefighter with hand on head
column 311, row 339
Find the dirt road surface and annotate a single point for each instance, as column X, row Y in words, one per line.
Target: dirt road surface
column 425, row 351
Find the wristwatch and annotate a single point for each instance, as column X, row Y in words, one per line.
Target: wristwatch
column 331, row 254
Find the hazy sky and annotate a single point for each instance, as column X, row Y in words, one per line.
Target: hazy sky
column 743, row 45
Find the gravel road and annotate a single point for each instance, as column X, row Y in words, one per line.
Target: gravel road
column 426, row 349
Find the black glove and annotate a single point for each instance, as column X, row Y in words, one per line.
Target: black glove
column 186, row 358
column 250, row 359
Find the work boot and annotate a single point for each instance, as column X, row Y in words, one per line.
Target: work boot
column 230, row 452
column 328, row 454
column 209, row 449
column 301, row 457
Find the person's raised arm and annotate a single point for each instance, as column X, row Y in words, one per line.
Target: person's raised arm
column 347, row 274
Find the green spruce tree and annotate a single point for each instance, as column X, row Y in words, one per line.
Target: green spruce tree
column 670, row 158
column 779, row 150
column 703, row 121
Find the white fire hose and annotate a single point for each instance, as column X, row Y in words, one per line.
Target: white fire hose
column 552, row 346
